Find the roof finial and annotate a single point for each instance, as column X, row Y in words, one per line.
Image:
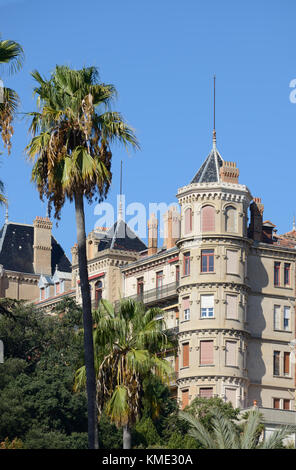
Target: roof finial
column 120, row 197
column 214, row 127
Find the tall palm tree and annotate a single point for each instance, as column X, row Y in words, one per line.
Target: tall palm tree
column 226, row 435
column 72, row 133
column 129, row 344
column 11, row 57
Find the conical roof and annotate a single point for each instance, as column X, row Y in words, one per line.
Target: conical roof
column 209, row 171
column 121, row 237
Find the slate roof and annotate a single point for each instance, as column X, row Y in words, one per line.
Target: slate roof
column 16, row 250
column 121, row 237
column 209, row 170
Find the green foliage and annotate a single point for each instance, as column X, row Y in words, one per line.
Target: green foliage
column 37, row 402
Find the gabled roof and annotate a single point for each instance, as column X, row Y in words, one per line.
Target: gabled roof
column 17, row 253
column 121, row 237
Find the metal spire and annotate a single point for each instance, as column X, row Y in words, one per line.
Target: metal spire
column 214, row 127
column 120, row 197
column 294, row 226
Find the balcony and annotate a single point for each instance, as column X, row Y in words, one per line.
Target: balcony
column 159, row 296
column 276, row 417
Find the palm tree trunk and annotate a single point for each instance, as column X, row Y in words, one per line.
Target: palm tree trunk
column 127, row 437
column 87, row 324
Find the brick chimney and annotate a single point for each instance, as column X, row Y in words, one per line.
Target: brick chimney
column 171, row 227
column 152, row 235
column 229, row 173
column 255, row 228
column 42, row 245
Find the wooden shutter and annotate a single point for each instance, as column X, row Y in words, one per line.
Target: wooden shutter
column 287, row 404
column 231, row 306
column 276, row 403
column 185, row 398
column 230, row 395
column 232, row 261
column 231, row 353
column 188, row 220
column 206, row 392
column 185, row 354
column 286, row 363
column 206, row 352
column 208, row 219
column 185, row 303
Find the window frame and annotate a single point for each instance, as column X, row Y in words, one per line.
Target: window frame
column 207, row 255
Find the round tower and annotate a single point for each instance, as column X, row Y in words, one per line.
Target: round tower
column 213, row 288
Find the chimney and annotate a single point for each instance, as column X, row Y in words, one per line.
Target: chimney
column 255, row 228
column 171, row 227
column 152, row 235
column 229, row 173
column 42, row 245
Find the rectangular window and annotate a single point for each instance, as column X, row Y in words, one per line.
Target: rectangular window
column 277, row 267
column 287, row 318
column 57, row 288
column 287, row 268
column 277, row 317
column 207, row 261
column 276, row 403
column 186, row 264
column 286, row 363
column 231, row 307
column 230, row 353
column 206, row 353
column 287, row 405
column 185, row 398
column 186, row 308
column 206, row 392
column 42, row 293
column 232, row 262
column 159, row 280
column 140, row 286
column 185, row 350
column 207, row 306
column 276, row 363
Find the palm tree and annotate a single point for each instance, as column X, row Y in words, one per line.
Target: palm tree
column 129, row 344
column 72, row 133
column 12, row 55
column 226, row 435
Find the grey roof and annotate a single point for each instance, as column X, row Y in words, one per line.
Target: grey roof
column 209, row 170
column 121, row 237
column 16, row 249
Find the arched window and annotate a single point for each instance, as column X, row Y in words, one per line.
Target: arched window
column 98, row 292
column 207, row 219
column 231, row 219
column 188, row 220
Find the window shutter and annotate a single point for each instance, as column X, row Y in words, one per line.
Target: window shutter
column 185, row 354
column 208, row 219
column 276, row 403
column 185, row 398
column 277, row 317
column 206, row 392
column 286, row 363
column 207, row 301
column 186, row 303
column 231, row 353
column 231, row 219
column 206, row 352
column 231, row 306
column 232, row 262
column 286, row 404
column 188, row 220
column 230, row 394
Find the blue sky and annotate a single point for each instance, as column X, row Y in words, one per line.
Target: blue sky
column 161, row 56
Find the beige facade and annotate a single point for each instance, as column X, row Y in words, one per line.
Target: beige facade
column 215, row 282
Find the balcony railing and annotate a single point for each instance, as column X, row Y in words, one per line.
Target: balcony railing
column 162, row 293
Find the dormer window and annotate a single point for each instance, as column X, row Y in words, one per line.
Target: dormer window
column 42, row 293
